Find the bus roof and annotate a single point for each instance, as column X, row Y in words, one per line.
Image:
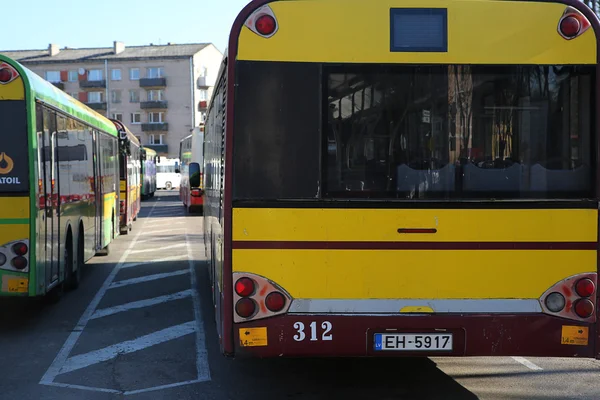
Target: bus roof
column 149, row 151
column 38, row 88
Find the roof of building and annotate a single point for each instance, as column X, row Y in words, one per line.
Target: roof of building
column 70, row 55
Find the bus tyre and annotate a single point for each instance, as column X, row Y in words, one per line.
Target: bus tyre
column 169, row 185
column 72, row 274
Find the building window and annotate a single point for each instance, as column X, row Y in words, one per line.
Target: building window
column 157, row 139
column 73, row 75
column 115, row 96
column 134, row 96
column 134, row 74
column 74, row 95
column 136, row 118
column 53, row 76
column 95, row 75
column 203, row 95
column 115, row 74
column 156, row 95
column 155, row 72
column 96, row 97
column 156, row 117
column 118, row 116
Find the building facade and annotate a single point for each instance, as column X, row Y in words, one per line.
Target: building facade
column 159, row 91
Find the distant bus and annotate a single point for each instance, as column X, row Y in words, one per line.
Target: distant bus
column 402, row 178
column 191, row 156
column 130, row 166
column 167, row 176
column 148, row 172
column 58, row 185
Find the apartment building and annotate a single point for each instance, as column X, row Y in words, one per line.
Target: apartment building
column 160, row 92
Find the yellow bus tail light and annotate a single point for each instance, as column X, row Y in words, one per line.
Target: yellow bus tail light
column 572, row 24
column 263, row 22
column 572, row 298
column 256, row 297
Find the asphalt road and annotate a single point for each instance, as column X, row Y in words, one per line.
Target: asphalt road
column 141, row 327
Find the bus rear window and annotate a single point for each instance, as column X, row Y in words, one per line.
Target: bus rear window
column 459, row 132
column 14, row 158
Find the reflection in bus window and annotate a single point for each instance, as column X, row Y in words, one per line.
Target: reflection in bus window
column 421, row 132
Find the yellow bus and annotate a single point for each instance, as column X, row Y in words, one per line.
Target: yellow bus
column 405, row 177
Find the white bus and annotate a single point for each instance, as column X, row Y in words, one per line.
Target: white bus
column 166, row 177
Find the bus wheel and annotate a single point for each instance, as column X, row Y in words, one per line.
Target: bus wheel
column 169, row 185
column 72, row 276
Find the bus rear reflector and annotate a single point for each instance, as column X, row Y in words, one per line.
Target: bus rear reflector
column 555, row 302
column 584, row 308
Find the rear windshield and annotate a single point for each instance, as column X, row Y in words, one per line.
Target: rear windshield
column 460, row 131
column 410, row 132
column 14, row 158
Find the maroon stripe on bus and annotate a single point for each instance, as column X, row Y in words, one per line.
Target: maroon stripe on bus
column 308, row 245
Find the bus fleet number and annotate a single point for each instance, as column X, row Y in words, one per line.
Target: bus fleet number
column 326, row 326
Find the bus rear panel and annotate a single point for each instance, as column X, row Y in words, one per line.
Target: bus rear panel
column 15, row 205
column 421, row 183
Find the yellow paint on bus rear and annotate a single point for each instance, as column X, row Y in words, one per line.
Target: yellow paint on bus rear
column 13, row 90
column 415, row 274
column 358, row 31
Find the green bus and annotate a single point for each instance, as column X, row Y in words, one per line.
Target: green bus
column 148, row 178
column 59, row 176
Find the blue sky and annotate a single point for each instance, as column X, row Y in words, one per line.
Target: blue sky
column 135, row 22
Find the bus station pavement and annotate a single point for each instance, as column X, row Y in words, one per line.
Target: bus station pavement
column 141, row 326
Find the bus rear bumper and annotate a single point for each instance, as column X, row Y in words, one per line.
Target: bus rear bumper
column 302, row 335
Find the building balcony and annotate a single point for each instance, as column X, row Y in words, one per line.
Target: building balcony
column 153, row 127
column 97, row 106
column 159, row 148
column 153, row 104
column 202, row 82
column 59, row 85
column 153, row 82
column 92, row 84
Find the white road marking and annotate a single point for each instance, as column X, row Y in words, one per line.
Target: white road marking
column 64, row 352
column 149, row 232
column 171, row 385
column 91, row 389
column 147, row 278
column 527, row 363
column 173, row 237
column 108, row 353
column 158, row 260
column 173, row 246
column 104, row 312
column 201, row 352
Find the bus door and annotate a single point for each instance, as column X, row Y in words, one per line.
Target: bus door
column 99, row 220
column 51, row 196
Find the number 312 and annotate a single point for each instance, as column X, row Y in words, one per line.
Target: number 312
column 300, row 336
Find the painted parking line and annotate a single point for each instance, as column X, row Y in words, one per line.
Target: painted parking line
column 147, row 278
column 172, row 246
column 63, row 364
column 527, row 363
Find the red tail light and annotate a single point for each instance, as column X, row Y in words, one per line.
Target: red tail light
column 20, row 249
column 585, row 287
column 244, row 287
column 196, row 193
column 265, row 25
column 19, row 262
column 5, row 75
column 584, row 308
column 275, row 301
column 572, row 24
column 122, row 206
column 245, row 307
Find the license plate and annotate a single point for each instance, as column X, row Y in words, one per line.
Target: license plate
column 413, row 342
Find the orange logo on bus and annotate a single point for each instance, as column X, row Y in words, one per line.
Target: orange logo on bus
column 6, row 164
